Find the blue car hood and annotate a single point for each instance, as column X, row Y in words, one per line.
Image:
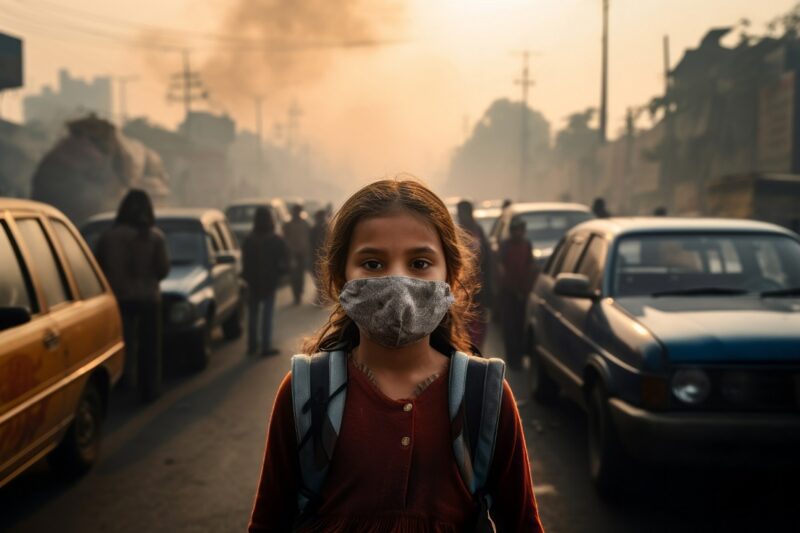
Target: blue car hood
column 184, row 279
column 721, row 329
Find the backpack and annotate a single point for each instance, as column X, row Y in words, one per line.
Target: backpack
column 319, row 389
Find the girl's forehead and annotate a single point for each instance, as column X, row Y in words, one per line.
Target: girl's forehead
column 394, row 230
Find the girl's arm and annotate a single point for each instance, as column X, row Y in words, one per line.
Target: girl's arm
column 275, row 507
column 510, row 483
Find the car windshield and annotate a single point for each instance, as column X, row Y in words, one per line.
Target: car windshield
column 238, row 214
column 186, row 247
column 545, row 228
column 703, row 265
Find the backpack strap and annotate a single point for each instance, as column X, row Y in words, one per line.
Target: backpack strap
column 475, row 398
column 319, row 384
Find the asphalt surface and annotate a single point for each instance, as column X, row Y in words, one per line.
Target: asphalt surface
column 190, row 463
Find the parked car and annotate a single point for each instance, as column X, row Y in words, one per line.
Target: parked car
column 680, row 337
column 61, row 347
column 546, row 223
column 204, row 288
column 240, row 215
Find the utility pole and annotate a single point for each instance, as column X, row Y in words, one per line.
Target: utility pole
column 525, row 82
column 187, row 87
column 122, row 82
column 604, row 81
column 259, row 136
column 292, row 125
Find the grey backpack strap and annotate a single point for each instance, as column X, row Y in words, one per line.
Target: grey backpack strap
column 319, row 385
column 475, row 398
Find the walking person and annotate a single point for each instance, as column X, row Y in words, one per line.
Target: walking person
column 317, row 240
column 133, row 254
column 369, row 433
column 265, row 261
column 482, row 299
column 516, row 279
column 298, row 238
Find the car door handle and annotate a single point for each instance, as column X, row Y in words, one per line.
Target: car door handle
column 51, row 340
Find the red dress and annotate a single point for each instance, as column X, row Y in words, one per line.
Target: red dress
column 393, row 469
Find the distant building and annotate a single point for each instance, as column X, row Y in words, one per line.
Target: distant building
column 72, row 98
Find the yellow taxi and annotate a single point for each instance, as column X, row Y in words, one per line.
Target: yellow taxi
column 61, row 348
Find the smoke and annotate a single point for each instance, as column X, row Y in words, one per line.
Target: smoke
column 283, row 44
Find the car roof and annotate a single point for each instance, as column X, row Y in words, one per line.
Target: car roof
column 530, row 207
column 29, row 205
column 204, row 215
column 487, row 212
column 619, row 226
column 244, row 202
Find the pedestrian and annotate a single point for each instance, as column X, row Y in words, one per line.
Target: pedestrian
column 297, row 233
column 318, row 232
column 133, row 254
column 380, row 455
column 599, row 208
column 265, row 261
column 516, row 279
column 482, row 298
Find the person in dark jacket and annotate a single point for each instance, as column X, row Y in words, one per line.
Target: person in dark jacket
column 265, row 261
column 297, row 233
column 516, row 279
column 482, row 300
column 133, row 254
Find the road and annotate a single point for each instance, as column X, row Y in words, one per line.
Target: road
column 190, row 463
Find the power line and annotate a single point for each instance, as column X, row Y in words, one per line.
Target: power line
column 187, row 86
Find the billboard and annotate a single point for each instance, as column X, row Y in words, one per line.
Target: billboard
column 10, row 62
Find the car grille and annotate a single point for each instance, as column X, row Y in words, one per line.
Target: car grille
column 748, row 389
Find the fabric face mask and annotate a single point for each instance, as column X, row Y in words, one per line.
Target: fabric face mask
column 396, row 311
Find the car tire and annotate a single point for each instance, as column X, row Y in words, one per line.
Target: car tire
column 80, row 447
column 545, row 389
column 609, row 465
column 199, row 349
column 233, row 327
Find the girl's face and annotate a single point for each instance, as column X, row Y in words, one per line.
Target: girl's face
column 400, row 244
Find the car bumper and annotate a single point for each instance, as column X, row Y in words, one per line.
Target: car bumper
column 703, row 438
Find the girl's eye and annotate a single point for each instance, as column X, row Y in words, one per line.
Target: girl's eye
column 420, row 264
column 371, row 265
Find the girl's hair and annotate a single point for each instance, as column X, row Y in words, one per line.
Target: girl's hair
column 380, row 199
column 136, row 210
column 262, row 221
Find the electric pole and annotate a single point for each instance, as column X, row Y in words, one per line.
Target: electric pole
column 604, row 81
column 259, row 136
column 123, row 81
column 187, row 87
column 525, row 82
column 292, row 125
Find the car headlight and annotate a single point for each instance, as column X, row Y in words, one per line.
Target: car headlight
column 691, row 385
column 540, row 253
column 181, row 312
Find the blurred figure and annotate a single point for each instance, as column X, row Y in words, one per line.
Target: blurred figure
column 482, row 300
column 318, row 232
column 660, row 211
column 516, row 279
column 599, row 208
column 297, row 233
column 133, row 254
column 265, row 261
column 507, row 203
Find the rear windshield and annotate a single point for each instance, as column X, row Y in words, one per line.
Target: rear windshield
column 239, row 214
column 547, row 227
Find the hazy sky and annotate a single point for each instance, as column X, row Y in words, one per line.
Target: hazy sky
column 402, row 107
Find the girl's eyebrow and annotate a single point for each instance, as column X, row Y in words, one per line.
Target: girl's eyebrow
column 423, row 250
column 367, row 250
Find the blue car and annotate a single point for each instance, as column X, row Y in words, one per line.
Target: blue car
column 204, row 288
column 679, row 337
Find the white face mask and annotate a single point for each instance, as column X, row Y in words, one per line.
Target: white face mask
column 396, row 311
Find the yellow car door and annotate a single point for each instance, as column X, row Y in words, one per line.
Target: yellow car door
column 32, row 364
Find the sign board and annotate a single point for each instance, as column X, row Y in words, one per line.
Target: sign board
column 776, row 125
column 10, row 62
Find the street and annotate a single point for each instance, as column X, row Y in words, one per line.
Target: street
column 190, row 463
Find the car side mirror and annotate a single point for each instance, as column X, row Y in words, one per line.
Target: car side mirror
column 11, row 317
column 225, row 259
column 574, row 286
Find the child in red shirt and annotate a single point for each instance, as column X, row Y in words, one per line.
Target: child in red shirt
column 401, row 279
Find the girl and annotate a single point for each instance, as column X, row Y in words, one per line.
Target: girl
column 393, row 246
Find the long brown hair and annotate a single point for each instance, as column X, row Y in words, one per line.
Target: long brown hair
column 380, row 199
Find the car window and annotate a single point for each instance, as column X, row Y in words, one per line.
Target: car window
column 554, row 263
column 572, row 254
column 48, row 273
column 216, row 241
column 225, row 234
column 89, row 284
column 14, row 291
column 591, row 264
